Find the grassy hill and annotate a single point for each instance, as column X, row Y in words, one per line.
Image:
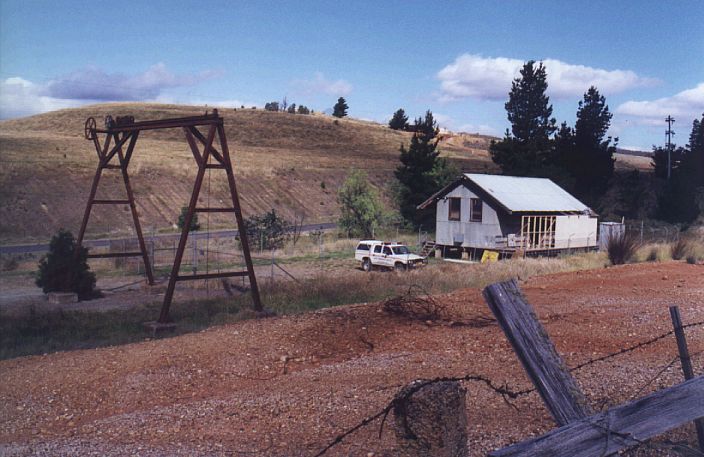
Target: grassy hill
column 293, row 163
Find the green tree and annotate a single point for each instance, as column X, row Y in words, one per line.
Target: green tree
column 399, row 121
column 340, row 108
column 527, row 147
column 659, row 162
column 682, row 198
column 268, row 230
column 592, row 163
column 694, row 161
column 361, row 211
column 292, row 108
column 272, row 106
column 195, row 226
column 65, row 270
column 421, row 172
column 303, row 109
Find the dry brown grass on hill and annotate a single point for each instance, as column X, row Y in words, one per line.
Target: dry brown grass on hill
column 293, row 163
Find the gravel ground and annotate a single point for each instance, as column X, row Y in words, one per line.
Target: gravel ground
column 286, row 386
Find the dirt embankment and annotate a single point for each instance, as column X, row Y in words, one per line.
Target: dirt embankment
column 286, row 386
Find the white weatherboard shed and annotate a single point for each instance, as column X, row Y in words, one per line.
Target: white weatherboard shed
column 509, row 213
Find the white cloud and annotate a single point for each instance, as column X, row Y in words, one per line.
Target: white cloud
column 201, row 101
column 92, row 83
column 19, row 97
column 448, row 123
column 320, row 84
column 489, row 78
column 482, row 129
column 444, row 120
column 685, row 105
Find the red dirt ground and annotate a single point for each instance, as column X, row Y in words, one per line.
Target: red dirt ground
column 286, row 386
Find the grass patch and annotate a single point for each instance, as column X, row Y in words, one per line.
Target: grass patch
column 38, row 333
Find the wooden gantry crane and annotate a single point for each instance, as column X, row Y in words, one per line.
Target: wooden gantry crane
column 115, row 152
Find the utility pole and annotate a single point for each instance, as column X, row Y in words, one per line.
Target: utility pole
column 669, row 134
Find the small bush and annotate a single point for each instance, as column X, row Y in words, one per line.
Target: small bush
column 268, row 230
column 691, row 260
column 195, row 226
column 622, row 248
column 679, row 249
column 61, row 270
column 652, row 256
column 10, row 264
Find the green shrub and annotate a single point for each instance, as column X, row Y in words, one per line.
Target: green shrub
column 652, row 256
column 691, row 260
column 268, row 230
column 622, row 248
column 195, row 226
column 65, row 270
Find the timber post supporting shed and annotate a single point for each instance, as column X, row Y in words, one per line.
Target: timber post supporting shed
column 123, row 130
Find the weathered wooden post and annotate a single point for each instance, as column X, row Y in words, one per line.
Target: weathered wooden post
column 582, row 434
column 686, row 364
column 537, row 353
column 431, row 420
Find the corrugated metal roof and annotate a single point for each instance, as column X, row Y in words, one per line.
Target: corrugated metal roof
column 520, row 194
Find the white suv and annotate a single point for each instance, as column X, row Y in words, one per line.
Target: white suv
column 386, row 254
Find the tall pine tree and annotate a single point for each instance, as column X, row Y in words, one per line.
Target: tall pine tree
column 340, row 108
column 526, row 149
column 399, row 121
column 421, row 172
column 682, row 199
column 592, row 159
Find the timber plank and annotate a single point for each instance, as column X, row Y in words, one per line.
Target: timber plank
column 619, row 427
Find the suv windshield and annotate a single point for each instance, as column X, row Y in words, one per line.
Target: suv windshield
column 401, row 250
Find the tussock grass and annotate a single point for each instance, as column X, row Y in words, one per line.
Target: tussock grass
column 679, row 249
column 653, row 252
column 622, row 248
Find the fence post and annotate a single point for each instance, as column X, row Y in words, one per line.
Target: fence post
column 195, row 255
column 272, row 266
column 686, row 364
column 431, row 420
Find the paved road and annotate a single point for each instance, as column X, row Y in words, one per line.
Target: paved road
column 105, row 242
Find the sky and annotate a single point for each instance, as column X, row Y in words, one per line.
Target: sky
column 456, row 58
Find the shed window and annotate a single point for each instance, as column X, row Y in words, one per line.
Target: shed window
column 455, row 209
column 475, row 210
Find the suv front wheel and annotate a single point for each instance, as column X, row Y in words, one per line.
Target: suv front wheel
column 399, row 266
column 367, row 265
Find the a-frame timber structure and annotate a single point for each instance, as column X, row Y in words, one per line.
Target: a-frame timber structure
column 125, row 131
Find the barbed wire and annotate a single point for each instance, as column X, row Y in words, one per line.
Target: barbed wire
column 504, row 391
column 633, row 348
column 507, row 393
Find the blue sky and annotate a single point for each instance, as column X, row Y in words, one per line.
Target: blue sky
column 454, row 58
